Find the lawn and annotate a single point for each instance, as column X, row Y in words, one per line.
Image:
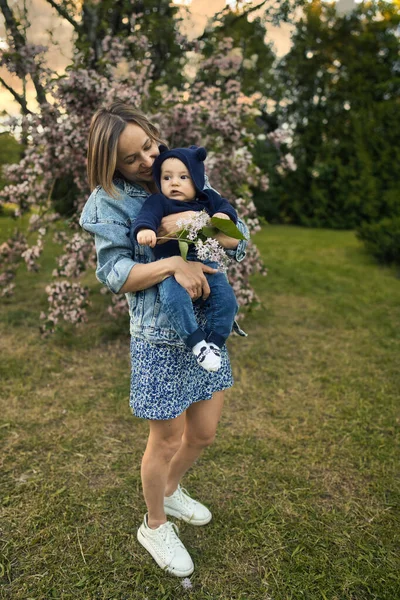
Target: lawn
column 302, row 479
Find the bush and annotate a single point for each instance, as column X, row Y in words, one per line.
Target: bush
column 10, row 152
column 382, row 239
column 65, row 195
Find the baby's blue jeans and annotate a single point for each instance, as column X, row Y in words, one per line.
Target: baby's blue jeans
column 220, row 310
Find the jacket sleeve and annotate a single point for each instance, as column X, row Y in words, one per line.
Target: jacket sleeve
column 240, row 251
column 149, row 217
column 114, row 247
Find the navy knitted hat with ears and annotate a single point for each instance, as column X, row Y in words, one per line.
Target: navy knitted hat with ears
column 193, row 157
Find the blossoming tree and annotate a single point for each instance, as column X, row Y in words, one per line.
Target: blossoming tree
column 220, row 117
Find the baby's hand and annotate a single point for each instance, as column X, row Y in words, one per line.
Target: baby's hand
column 221, row 216
column 147, row 237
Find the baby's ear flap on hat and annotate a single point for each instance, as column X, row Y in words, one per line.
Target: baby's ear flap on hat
column 162, row 148
column 201, row 153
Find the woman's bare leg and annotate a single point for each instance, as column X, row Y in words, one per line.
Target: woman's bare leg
column 164, row 440
column 199, row 431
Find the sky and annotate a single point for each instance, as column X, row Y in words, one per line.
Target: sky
column 44, row 18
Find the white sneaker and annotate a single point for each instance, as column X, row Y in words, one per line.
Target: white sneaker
column 166, row 548
column 182, row 506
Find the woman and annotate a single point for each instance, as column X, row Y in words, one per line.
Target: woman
column 181, row 402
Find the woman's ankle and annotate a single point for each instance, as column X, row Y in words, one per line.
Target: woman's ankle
column 154, row 523
column 170, row 489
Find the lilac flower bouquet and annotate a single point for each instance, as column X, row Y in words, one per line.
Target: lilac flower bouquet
column 200, row 231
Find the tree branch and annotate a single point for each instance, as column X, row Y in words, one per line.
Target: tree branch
column 91, row 20
column 20, row 99
column 115, row 19
column 20, row 42
column 248, row 11
column 242, row 15
column 65, row 15
column 12, row 24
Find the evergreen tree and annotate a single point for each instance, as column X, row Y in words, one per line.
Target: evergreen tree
column 342, row 84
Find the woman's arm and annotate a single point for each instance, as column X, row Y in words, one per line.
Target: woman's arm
column 120, row 272
column 236, row 249
column 169, row 226
column 226, row 242
column 116, row 264
column 190, row 275
column 238, row 252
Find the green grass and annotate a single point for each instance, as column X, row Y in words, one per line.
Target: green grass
column 302, row 479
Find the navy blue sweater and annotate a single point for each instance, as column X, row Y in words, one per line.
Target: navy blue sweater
column 158, row 206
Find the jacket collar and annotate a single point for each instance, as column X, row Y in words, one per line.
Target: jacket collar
column 129, row 187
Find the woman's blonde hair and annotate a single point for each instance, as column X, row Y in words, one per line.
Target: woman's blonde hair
column 107, row 125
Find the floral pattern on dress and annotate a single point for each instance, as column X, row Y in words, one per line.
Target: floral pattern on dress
column 166, row 379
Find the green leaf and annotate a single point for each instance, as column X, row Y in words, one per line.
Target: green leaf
column 183, row 247
column 178, row 234
column 228, row 227
column 209, row 231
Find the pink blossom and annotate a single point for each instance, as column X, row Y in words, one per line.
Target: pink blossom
column 194, row 225
column 211, row 250
column 68, row 302
column 288, row 162
column 214, row 116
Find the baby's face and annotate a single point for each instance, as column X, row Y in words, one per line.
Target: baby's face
column 176, row 182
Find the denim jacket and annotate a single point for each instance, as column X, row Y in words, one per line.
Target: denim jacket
column 110, row 221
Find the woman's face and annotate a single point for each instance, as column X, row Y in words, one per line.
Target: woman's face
column 136, row 152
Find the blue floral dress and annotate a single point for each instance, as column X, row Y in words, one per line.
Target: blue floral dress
column 166, row 379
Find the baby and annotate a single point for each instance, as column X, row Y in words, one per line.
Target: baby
column 179, row 175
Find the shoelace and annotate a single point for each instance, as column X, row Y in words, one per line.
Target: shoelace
column 171, row 535
column 184, row 499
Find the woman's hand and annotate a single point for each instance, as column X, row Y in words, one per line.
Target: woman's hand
column 221, row 216
column 226, row 242
column 168, row 224
column 190, row 275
